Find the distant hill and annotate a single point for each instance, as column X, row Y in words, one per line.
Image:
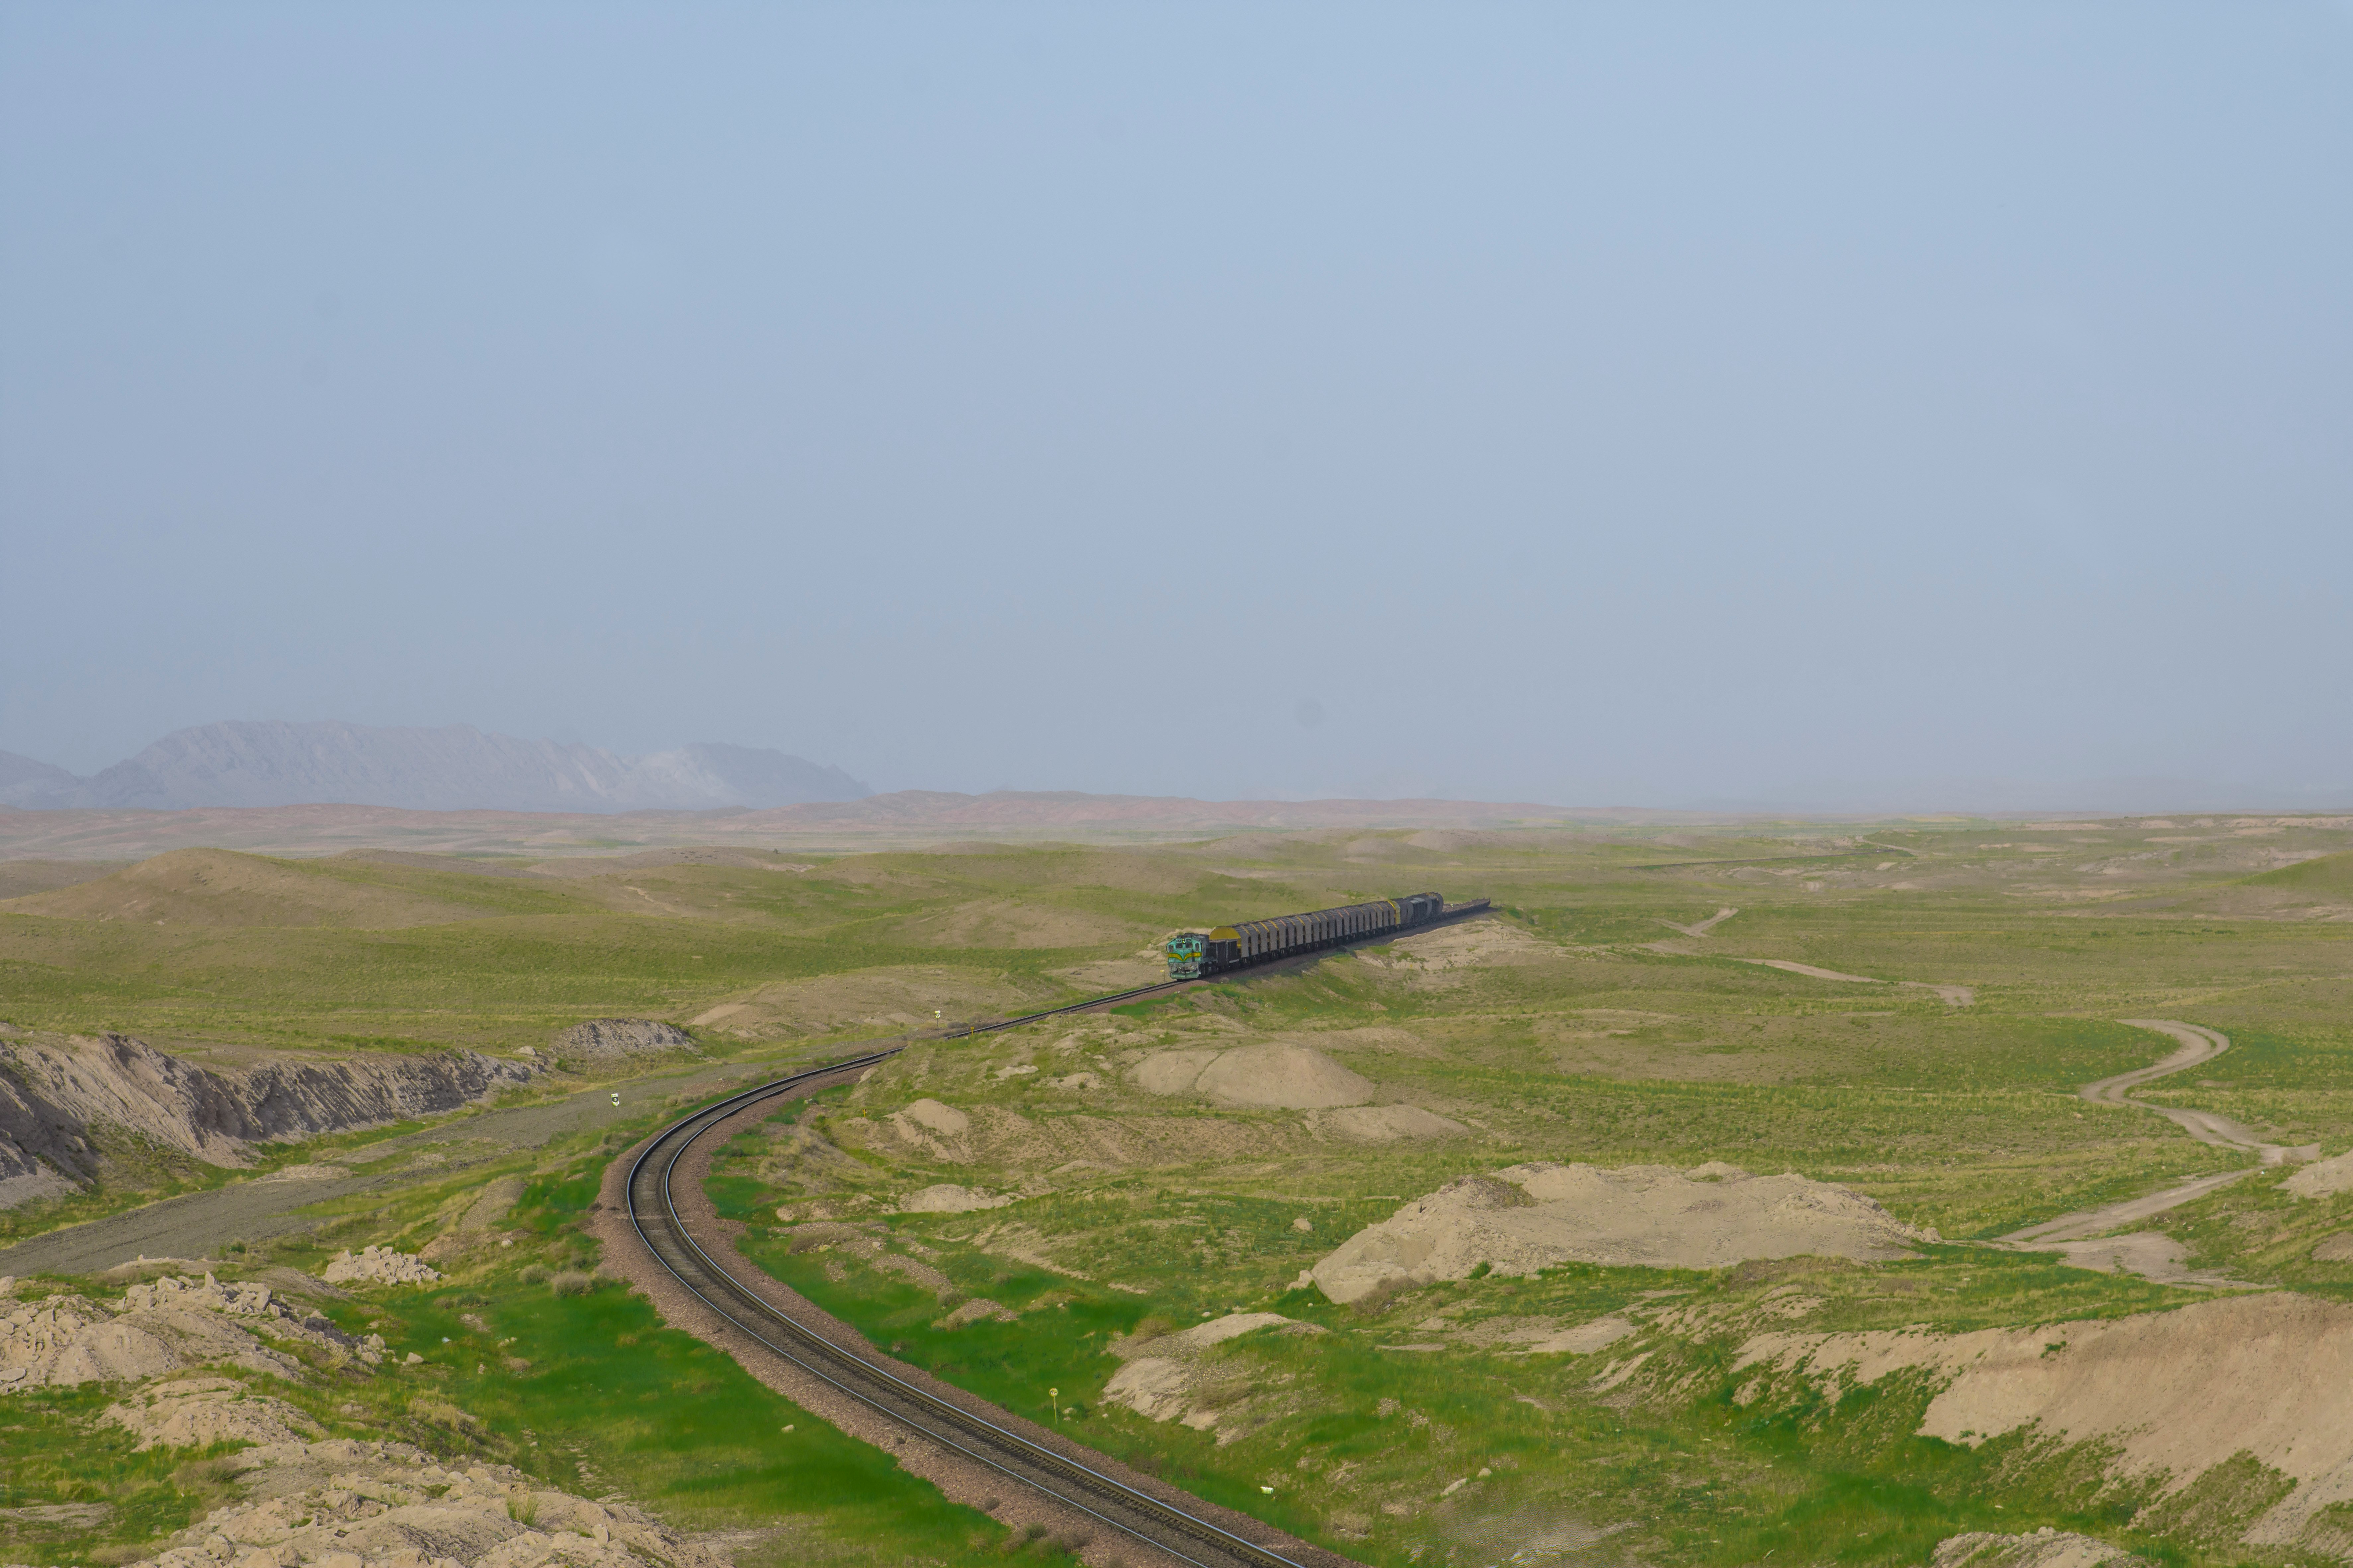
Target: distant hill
column 457, row 768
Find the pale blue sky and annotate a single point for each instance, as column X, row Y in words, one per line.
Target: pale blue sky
column 1642, row 404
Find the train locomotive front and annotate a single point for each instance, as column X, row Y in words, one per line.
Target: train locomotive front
column 1192, row 954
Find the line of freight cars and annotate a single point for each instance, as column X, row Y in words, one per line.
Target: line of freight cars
column 1192, row 954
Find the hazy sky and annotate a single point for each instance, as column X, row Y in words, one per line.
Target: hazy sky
column 1637, row 403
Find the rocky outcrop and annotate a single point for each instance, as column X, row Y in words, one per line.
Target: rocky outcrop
column 342, row 1502
column 160, row 1327
column 198, row 1412
column 623, row 1037
column 378, row 1266
column 57, row 1092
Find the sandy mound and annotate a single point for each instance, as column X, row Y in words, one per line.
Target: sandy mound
column 1160, row 1383
column 2046, row 1548
column 1389, row 1123
column 378, row 1266
column 949, row 1198
column 200, row 1411
column 345, row 1503
column 1529, row 1217
column 221, row 887
column 933, row 1130
column 2337, row 1248
column 622, row 1037
column 1285, row 1077
column 2177, row 1392
column 2322, row 1178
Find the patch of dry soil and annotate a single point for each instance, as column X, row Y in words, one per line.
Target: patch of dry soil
column 2175, row 1392
column 1524, row 1218
column 2321, row 1179
column 1384, row 1124
column 1277, row 1074
column 2046, row 1548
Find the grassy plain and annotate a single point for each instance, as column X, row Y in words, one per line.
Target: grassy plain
column 1990, row 965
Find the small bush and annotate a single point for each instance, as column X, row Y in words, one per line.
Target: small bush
column 572, row 1283
column 534, row 1274
column 523, row 1508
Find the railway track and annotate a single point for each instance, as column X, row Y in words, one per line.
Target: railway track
column 1180, row 1534
column 1183, row 1534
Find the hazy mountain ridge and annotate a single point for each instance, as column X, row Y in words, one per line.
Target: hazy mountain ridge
column 453, row 768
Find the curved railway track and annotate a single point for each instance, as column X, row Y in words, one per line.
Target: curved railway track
column 1181, row 1534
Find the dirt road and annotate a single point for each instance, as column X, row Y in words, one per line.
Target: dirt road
column 2082, row 1236
column 2198, row 1045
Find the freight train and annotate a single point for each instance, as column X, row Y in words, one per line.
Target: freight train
column 1192, row 954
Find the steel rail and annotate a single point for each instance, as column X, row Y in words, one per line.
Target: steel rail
column 980, row 1434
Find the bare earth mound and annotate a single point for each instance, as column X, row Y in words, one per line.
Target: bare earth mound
column 2178, row 1392
column 1388, row 1125
column 1285, row 1077
column 2318, row 1181
column 1529, row 1217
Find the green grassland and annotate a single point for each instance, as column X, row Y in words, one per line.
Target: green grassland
column 1579, row 1023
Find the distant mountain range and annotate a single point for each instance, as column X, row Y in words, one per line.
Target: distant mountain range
column 456, row 768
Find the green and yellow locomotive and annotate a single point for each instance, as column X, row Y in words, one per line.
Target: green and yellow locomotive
column 1192, row 954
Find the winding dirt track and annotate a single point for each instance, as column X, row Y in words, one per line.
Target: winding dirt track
column 2082, row 1236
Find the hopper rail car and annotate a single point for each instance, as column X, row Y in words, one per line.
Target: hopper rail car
column 1194, row 954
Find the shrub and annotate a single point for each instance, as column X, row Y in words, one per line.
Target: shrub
column 533, row 1274
column 572, row 1283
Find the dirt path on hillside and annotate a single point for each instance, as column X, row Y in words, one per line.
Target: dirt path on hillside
column 1700, row 928
column 2082, row 1236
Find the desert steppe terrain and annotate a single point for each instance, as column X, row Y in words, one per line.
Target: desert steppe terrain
column 1873, row 1192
